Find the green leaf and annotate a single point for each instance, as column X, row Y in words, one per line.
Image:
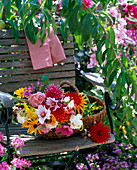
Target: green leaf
column 32, row 36
column 64, row 29
column 135, row 140
column 18, row 3
column 128, row 112
column 78, row 40
column 134, row 122
column 54, row 25
column 79, row 3
column 120, row 85
column 7, row 8
column 65, row 4
column 111, row 36
column 48, row 4
column 45, row 79
column 124, row 59
column 14, row 28
column 73, row 20
column 86, row 27
column 107, row 15
column 31, row 15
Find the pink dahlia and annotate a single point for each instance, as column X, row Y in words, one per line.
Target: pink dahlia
column 54, row 92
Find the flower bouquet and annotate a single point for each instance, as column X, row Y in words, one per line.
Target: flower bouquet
column 50, row 111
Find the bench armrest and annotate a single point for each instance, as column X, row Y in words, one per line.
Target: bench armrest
column 6, row 99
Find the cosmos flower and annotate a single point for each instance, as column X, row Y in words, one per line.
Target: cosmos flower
column 42, row 113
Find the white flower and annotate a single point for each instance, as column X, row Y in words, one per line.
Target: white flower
column 42, row 113
column 20, row 119
column 75, row 121
column 67, row 99
column 71, row 104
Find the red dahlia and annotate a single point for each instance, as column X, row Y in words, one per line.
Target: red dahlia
column 61, row 115
column 99, row 133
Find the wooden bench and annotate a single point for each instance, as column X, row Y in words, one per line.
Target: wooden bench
column 16, row 71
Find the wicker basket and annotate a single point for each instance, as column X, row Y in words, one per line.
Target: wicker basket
column 87, row 121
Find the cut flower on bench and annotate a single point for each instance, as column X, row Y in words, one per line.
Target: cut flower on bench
column 47, row 108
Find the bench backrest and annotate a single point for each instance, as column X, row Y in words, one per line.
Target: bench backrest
column 16, row 68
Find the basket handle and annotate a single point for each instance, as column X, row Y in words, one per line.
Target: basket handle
column 70, row 84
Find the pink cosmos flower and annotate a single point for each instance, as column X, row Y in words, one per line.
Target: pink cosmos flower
column 113, row 11
column 17, row 142
column 88, row 3
column 5, row 166
column 1, row 136
column 42, row 113
column 65, row 130
column 2, row 150
column 93, row 61
column 36, row 99
column 52, row 102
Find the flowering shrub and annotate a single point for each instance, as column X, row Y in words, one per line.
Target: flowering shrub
column 16, row 143
column 49, row 109
column 112, row 156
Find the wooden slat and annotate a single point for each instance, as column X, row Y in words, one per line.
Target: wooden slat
column 28, row 63
column 30, row 70
column 4, row 57
column 6, row 42
column 10, row 87
column 37, row 76
column 8, row 34
column 13, row 49
column 43, row 146
column 16, row 64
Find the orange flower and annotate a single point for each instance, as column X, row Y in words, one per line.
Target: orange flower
column 79, row 100
column 31, row 125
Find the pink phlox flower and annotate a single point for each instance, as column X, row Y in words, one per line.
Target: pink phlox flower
column 119, row 36
column 52, row 102
column 2, row 150
column 113, row 11
column 94, row 48
column 88, row 3
column 121, row 1
column 17, row 142
column 45, row 129
column 42, row 113
column 20, row 163
column 4, row 166
column 93, row 61
column 65, row 130
column 1, row 136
